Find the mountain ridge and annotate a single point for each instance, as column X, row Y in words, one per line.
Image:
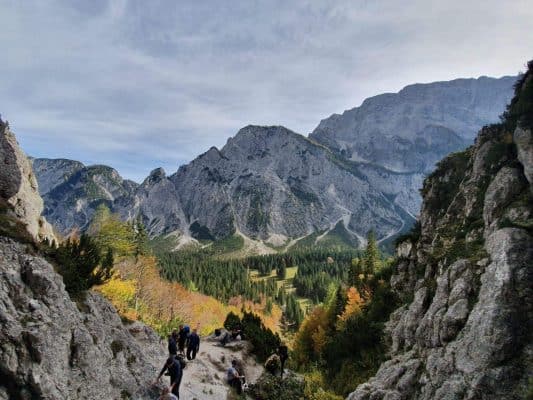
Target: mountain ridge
column 253, row 185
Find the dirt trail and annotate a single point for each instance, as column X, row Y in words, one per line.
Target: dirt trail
column 205, row 377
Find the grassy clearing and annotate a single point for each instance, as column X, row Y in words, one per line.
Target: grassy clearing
column 285, row 283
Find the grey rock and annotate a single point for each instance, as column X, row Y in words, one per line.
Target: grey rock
column 468, row 326
column 410, row 130
column 505, row 186
column 267, row 183
column 18, row 186
column 524, row 145
column 53, row 348
column 72, row 191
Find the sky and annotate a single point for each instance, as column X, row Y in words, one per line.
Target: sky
column 143, row 84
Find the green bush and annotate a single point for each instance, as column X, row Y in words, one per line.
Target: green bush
column 270, row 387
column 80, row 264
column 232, row 321
column 264, row 341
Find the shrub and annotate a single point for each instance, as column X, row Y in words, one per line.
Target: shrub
column 79, row 262
column 232, row 321
column 270, row 387
column 264, row 341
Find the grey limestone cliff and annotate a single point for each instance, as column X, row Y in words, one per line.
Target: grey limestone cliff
column 72, row 191
column 465, row 329
column 53, row 348
column 410, row 130
column 18, row 186
column 50, row 346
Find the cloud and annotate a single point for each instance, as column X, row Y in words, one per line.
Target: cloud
column 138, row 84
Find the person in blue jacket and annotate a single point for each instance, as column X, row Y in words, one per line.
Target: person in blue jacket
column 193, row 345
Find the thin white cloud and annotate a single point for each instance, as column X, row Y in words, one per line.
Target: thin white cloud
column 140, row 84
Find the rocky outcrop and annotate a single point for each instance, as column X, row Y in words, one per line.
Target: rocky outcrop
column 54, row 348
column 464, row 331
column 18, row 186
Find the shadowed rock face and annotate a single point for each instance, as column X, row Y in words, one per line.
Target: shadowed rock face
column 465, row 331
column 18, row 186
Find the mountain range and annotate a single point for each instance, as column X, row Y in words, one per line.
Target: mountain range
column 355, row 172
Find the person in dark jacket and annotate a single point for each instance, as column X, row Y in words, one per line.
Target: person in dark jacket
column 172, row 343
column 234, row 378
column 193, row 345
column 182, row 339
column 174, row 371
column 283, row 353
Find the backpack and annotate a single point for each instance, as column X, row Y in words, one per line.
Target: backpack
column 186, row 329
column 181, row 359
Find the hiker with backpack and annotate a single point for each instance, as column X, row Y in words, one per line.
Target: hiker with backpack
column 283, row 353
column 193, row 345
column 182, row 339
column 235, row 379
column 173, row 369
column 172, row 343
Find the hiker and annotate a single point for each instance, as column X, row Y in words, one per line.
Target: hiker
column 234, row 378
column 182, row 339
column 193, row 345
column 172, row 345
column 172, row 365
column 272, row 364
column 283, row 353
column 236, row 334
column 166, row 395
column 225, row 339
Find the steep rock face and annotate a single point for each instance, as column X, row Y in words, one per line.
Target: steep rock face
column 157, row 201
column 52, row 173
column 53, row 348
column 465, row 329
column 18, row 186
column 268, row 183
column 271, row 181
column 410, row 130
column 72, row 191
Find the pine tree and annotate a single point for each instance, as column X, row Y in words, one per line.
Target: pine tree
column 372, row 258
column 79, row 264
column 281, row 297
column 282, row 270
column 355, row 271
column 141, row 238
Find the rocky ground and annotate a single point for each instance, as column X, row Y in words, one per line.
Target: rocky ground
column 205, row 377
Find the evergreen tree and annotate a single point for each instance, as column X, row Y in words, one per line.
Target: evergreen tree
column 355, row 271
column 282, row 270
column 79, row 264
column 281, row 297
column 372, row 258
column 293, row 312
column 141, row 238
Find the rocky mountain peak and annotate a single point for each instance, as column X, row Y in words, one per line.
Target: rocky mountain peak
column 155, row 176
